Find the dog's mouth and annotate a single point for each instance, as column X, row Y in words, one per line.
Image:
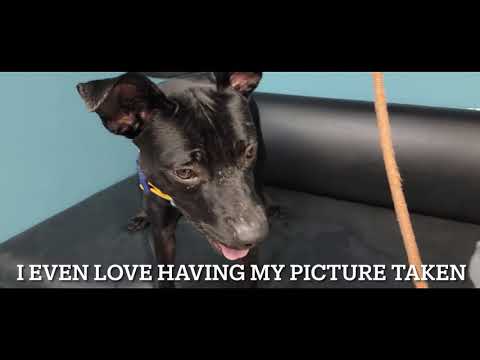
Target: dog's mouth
column 230, row 253
column 226, row 251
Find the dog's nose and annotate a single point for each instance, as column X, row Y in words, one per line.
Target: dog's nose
column 249, row 234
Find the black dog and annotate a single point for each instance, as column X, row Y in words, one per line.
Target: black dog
column 201, row 153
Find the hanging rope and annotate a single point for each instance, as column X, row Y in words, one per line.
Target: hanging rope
column 394, row 178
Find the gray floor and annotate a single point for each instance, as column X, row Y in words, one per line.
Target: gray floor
column 316, row 230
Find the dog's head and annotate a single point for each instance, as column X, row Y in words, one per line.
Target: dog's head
column 198, row 143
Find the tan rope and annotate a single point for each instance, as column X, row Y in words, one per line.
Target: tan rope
column 394, row 178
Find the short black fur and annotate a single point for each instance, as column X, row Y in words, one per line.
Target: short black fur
column 200, row 141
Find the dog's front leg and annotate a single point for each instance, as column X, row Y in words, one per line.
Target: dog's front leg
column 164, row 220
column 140, row 221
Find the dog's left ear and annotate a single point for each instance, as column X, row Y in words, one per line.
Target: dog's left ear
column 243, row 82
column 125, row 104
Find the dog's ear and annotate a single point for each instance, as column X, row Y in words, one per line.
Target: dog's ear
column 243, row 82
column 125, row 104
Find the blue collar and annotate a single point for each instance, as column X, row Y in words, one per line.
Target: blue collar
column 147, row 187
column 142, row 179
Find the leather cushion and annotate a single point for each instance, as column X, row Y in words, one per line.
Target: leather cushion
column 330, row 148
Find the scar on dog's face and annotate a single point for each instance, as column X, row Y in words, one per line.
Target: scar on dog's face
column 199, row 144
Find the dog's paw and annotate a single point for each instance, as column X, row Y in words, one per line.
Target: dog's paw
column 138, row 223
column 277, row 212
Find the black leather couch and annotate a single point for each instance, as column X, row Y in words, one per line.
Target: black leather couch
column 326, row 170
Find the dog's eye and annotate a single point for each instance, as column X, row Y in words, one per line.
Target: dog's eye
column 250, row 152
column 185, row 174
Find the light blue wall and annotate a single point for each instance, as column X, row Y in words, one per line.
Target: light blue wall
column 54, row 154
column 448, row 89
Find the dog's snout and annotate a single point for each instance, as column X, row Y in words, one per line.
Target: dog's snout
column 248, row 233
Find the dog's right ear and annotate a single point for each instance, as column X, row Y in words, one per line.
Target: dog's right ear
column 125, row 104
column 243, row 82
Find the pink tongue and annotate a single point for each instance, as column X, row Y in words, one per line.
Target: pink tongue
column 232, row 254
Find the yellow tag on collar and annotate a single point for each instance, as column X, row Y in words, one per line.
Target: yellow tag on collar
column 157, row 192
